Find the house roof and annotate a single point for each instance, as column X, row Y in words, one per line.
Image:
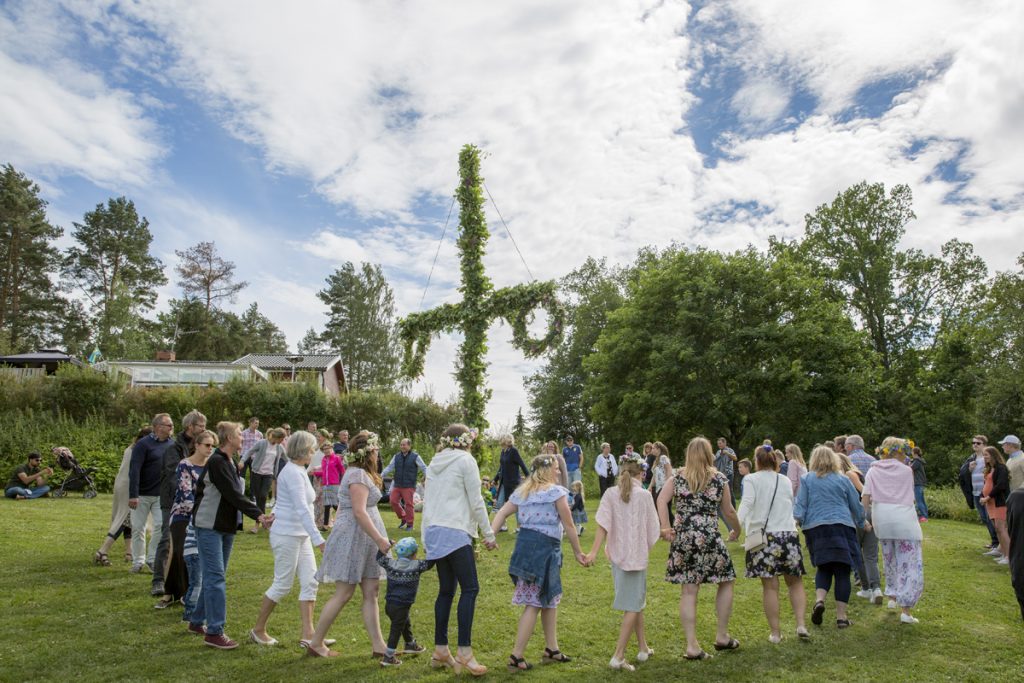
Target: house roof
column 44, row 356
column 279, row 361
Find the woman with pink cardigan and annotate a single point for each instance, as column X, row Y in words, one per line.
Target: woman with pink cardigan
column 889, row 494
column 629, row 520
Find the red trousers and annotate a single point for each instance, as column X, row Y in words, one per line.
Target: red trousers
column 401, row 503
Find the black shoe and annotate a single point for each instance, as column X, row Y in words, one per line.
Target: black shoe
column 816, row 614
column 158, row 589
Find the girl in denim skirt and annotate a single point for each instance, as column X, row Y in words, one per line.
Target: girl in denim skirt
column 543, row 510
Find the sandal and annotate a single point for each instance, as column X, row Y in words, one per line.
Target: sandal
column 733, row 644
column 518, row 664
column 128, row 557
column 471, row 665
column 697, row 657
column 101, row 559
column 817, row 612
column 436, row 663
column 843, row 623
column 550, row 656
column 327, row 641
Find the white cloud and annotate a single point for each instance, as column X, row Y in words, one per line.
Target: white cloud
column 59, row 117
column 761, row 101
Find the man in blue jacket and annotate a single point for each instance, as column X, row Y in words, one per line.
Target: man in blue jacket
column 404, row 466
column 144, row 476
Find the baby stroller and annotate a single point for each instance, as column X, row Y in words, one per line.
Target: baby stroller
column 80, row 478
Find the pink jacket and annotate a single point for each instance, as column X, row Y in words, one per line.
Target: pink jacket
column 332, row 469
column 632, row 527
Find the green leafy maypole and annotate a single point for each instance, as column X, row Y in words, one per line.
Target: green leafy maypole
column 479, row 306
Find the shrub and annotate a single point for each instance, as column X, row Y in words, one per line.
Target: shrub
column 947, row 502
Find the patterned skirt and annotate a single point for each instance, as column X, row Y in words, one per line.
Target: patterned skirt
column 781, row 555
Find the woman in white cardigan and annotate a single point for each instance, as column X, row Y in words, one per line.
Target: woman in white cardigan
column 292, row 539
column 767, row 507
column 453, row 514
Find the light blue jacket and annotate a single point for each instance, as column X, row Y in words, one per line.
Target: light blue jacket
column 831, row 499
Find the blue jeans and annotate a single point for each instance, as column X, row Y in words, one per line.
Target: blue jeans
column 574, row 475
column 195, row 585
column 37, row 492
column 983, row 514
column 212, row 605
column 922, row 507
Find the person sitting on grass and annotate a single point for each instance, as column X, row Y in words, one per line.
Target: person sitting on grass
column 403, row 583
column 543, row 509
column 628, row 519
column 29, row 480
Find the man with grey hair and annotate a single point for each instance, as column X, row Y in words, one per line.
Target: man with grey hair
column 405, row 465
column 144, row 479
column 192, row 425
column 855, row 449
column 870, row 577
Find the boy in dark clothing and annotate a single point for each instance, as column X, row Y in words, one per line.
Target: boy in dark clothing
column 403, row 583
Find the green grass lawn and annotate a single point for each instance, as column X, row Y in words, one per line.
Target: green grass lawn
column 63, row 618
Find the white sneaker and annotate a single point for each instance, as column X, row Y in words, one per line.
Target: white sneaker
column 907, row 619
column 620, row 665
column 876, row 596
column 865, row 594
column 643, row 656
column 892, row 604
column 993, row 553
column 1003, row 560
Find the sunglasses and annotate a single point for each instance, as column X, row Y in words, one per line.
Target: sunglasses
column 206, row 443
column 977, row 443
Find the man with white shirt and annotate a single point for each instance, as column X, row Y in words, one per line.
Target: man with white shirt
column 606, row 467
column 1014, row 460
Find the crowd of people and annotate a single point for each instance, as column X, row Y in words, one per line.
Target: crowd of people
column 188, row 494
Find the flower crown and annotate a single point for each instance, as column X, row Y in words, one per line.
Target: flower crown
column 372, row 444
column 542, row 461
column 906, row 448
column 635, row 459
column 464, row 440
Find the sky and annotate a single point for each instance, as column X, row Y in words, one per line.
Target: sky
column 299, row 136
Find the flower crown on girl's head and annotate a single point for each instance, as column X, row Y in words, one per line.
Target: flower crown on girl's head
column 464, row 440
column 542, row 461
column 635, row 458
column 372, row 444
column 906, row 448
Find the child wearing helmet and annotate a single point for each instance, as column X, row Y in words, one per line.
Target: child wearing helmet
column 403, row 574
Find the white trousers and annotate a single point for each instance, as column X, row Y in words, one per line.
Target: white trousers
column 292, row 554
column 148, row 505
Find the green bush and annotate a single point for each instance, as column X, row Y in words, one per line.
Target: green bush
column 948, row 502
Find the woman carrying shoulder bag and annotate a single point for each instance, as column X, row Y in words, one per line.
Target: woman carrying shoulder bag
column 772, row 542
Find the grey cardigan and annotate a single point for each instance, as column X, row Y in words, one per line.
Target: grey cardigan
column 262, row 450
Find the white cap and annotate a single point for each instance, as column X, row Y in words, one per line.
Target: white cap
column 1010, row 438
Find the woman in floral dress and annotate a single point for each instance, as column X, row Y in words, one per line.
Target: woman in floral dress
column 698, row 554
column 350, row 556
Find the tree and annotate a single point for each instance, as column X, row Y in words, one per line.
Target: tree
column 901, row 296
column 261, row 334
column 361, row 325
column 519, row 428
column 557, row 404
column 206, row 275
column 29, row 298
column 739, row 345
column 313, row 344
column 112, row 265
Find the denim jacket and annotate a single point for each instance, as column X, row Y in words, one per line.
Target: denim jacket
column 537, row 558
column 827, row 500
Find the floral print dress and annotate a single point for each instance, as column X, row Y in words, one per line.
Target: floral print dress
column 698, row 553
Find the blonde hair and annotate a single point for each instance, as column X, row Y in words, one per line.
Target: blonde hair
column 794, row 453
column 846, row 464
column 627, row 470
column 549, row 448
column 824, row 461
column 276, row 433
column 891, row 447
column 542, row 476
column 205, row 434
column 507, row 440
column 226, row 429
column 577, row 486
column 699, row 466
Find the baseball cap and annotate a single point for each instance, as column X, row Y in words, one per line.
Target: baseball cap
column 1010, row 438
column 406, row 547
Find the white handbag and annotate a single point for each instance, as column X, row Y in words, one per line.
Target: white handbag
column 759, row 539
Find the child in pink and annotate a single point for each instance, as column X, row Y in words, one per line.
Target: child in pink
column 332, row 469
column 629, row 520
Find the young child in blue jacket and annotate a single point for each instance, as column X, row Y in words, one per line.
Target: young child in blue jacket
column 403, row 574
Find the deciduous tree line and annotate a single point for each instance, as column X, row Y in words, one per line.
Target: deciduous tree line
column 844, row 330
